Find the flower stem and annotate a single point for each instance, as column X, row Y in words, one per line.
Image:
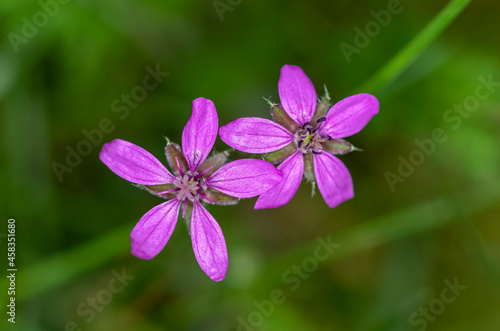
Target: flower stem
column 415, row 48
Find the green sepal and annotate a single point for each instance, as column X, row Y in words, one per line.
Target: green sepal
column 282, row 118
column 173, row 152
column 281, row 154
column 214, row 163
column 338, row 146
column 187, row 216
column 309, row 171
column 321, row 110
column 156, row 189
column 220, row 198
column 309, row 168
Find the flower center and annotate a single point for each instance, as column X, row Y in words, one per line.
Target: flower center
column 189, row 187
column 308, row 139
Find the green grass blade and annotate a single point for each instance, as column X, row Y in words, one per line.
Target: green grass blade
column 415, row 48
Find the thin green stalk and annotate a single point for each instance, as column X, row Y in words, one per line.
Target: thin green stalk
column 415, row 48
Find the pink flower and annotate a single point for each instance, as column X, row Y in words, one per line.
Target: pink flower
column 194, row 180
column 301, row 134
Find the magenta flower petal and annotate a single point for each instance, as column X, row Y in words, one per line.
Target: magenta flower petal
column 154, row 229
column 350, row 115
column 297, row 94
column 200, row 132
column 245, row 178
column 208, row 241
column 292, row 169
column 134, row 163
column 334, row 180
column 255, row 135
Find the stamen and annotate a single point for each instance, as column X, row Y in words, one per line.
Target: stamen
column 309, row 139
column 204, row 197
column 179, row 166
column 170, row 191
column 185, row 206
column 317, row 152
column 201, row 173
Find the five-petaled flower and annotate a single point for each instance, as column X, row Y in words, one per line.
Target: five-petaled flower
column 194, row 180
column 304, row 130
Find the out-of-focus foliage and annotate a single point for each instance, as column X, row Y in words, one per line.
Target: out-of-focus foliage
column 397, row 247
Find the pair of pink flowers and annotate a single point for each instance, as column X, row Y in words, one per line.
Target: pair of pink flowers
column 304, row 138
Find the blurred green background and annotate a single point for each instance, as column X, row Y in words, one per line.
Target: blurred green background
column 398, row 247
